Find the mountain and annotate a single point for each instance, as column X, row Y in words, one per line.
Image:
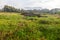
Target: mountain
column 32, row 8
column 55, row 10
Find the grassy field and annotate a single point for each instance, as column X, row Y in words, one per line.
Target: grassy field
column 14, row 26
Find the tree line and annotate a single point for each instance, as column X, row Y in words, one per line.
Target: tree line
column 13, row 9
column 7, row 8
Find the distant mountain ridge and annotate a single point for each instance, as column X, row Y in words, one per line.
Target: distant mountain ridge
column 31, row 8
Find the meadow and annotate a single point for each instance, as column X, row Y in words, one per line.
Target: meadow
column 14, row 26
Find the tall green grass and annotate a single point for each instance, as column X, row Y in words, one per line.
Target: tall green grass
column 14, row 26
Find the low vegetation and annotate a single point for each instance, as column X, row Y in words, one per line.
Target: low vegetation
column 14, row 26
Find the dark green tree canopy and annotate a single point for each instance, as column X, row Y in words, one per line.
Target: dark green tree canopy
column 10, row 9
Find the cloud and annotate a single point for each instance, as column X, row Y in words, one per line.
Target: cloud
column 2, row 3
column 31, row 3
column 52, row 4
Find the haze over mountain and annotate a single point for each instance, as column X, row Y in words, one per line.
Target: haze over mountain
column 32, row 8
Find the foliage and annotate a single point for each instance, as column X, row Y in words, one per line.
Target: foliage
column 14, row 26
column 10, row 9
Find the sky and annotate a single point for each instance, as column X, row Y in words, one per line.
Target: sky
column 49, row 4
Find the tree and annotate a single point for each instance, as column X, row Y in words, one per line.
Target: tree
column 10, row 9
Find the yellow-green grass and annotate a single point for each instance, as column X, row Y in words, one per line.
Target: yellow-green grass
column 14, row 26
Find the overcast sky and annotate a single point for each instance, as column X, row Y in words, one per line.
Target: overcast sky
column 31, row 3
